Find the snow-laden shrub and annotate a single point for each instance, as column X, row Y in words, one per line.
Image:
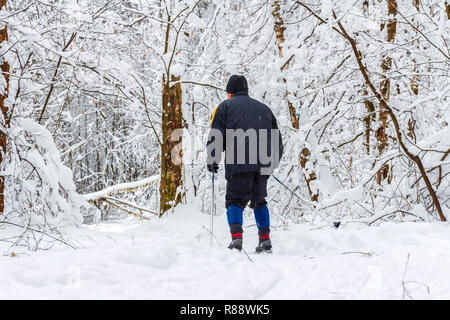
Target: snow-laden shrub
column 40, row 195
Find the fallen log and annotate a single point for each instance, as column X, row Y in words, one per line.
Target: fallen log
column 121, row 188
column 106, row 195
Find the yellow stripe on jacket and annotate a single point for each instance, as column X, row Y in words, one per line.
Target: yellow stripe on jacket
column 213, row 114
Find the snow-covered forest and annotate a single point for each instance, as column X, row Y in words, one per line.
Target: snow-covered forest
column 105, row 111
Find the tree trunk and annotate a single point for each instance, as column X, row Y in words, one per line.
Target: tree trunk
column 279, row 32
column 368, row 119
column 415, row 78
column 369, row 104
column 4, row 109
column 385, row 89
column 278, row 26
column 171, row 169
column 414, row 81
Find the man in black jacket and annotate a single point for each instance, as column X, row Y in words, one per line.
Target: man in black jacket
column 247, row 131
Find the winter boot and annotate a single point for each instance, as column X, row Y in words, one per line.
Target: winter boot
column 234, row 216
column 236, row 241
column 264, row 245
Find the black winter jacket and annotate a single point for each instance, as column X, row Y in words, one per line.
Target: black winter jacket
column 243, row 112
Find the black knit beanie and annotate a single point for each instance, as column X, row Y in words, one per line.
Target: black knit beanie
column 237, row 84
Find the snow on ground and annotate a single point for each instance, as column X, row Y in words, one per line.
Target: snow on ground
column 171, row 258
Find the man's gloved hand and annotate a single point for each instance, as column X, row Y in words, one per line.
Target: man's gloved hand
column 213, row 167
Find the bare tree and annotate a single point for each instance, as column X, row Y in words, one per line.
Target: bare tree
column 304, row 157
column 4, row 109
column 171, row 184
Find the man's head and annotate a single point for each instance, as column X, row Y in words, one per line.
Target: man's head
column 236, row 84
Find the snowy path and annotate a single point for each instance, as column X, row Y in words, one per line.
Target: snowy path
column 171, row 259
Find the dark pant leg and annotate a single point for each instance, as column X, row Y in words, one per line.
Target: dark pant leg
column 239, row 189
column 259, row 192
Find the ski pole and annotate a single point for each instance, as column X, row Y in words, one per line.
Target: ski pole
column 212, row 210
column 293, row 193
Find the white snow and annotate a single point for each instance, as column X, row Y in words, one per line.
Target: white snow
column 171, row 258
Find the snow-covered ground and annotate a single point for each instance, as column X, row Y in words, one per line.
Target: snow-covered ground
column 171, row 258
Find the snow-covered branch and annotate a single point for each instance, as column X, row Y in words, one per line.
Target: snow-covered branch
column 121, row 188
